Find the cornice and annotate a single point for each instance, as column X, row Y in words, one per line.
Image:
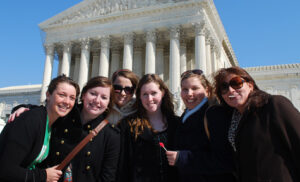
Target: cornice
column 20, row 89
column 122, row 15
column 295, row 66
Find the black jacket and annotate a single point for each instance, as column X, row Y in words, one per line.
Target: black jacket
column 98, row 160
column 268, row 142
column 142, row 159
column 20, row 143
column 201, row 159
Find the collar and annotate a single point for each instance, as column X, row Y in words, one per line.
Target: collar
column 188, row 112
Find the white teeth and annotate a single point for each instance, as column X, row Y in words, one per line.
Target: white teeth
column 231, row 96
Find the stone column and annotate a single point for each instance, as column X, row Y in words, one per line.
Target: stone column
column 214, row 53
column 66, row 61
column 174, row 60
column 200, row 53
column 160, row 61
column 95, row 64
column 47, row 71
column 84, row 63
column 115, row 60
column 60, row 60
column 150, row 52
column 208, row 57
column 138, row 66
column 128, row 51
column 183, row 63
column 76, row 68
column 104, row 56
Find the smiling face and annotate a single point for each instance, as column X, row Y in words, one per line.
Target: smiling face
column 237, row 98
column 61, row 101
column 192, row 92
column 151, row 97
column 122, row 98
column 95, row 102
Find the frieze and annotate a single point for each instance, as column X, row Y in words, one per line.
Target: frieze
column 96, row 8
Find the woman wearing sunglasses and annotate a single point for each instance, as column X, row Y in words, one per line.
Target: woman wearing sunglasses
column 202, row 156
column 142, row 159
column 124, row 83
column 264, row 130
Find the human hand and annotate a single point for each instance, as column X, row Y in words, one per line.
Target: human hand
column 53, row 174
column 17, row 113
column 171, row 156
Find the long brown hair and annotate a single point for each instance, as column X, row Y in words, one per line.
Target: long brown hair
column 255, row 99
column 141, row 121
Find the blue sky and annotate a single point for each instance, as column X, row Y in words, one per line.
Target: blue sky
column 261, row 32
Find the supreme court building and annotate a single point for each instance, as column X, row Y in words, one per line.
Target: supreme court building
column 166, row 37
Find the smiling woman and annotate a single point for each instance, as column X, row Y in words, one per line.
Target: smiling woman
column 21, row 141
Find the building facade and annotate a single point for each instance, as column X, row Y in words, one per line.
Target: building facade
column 166, row 37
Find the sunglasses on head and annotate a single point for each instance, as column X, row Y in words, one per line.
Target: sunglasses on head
column 235, row 83
column 127, row 90
column 190, row 72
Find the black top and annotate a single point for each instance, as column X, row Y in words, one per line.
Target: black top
column 20, row 143
column 98, row 160
column 201, row 159
column 142, row 159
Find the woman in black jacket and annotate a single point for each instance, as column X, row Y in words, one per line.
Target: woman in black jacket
column 97, row 161
column 264, row 130
column 24, row 144
column 142, row 159
column 202, row 154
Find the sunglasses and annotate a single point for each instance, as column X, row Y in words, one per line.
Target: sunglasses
column 235, row 83
column 191, row 72
column 127, row 90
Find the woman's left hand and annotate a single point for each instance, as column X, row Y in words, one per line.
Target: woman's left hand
column 172, row 156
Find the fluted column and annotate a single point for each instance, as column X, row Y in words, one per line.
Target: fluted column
column 214, row 61
column 66, row 61
column 84, row 63
column 115, row 60
column 128, row 51
column 47, row 70
column 150, row 52
column 174, row 60
column 208, row 57
column 160, row 61
column 138, row 64
column 104, row 56
column 183, row 63
column 76, row 68
column 200, row 52
column 95, row 63
column 60, row 60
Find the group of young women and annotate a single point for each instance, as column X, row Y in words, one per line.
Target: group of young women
column 243, row 135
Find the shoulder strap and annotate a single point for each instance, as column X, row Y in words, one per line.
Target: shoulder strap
column 206, row 127
column 83, row 142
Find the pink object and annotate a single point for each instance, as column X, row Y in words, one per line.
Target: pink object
column 162, row 145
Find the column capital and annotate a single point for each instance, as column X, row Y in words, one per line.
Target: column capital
column 67, row 46
column 208, row 40
column 200, row 28
column 128, row 38
column 151, row 35
column 174, row 32
column 49, row 48
column 105, row 41
column 85, row 43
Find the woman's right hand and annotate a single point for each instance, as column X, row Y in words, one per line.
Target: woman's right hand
column 53, row 174
column 17, row 113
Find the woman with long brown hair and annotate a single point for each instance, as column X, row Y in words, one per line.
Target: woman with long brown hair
column 142, row 159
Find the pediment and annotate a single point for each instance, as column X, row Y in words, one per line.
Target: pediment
column 90, row 9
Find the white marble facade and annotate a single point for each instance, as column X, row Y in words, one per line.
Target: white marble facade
column 167, row 37
column 279, row 80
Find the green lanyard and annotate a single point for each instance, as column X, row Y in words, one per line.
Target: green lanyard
column 45, row 149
